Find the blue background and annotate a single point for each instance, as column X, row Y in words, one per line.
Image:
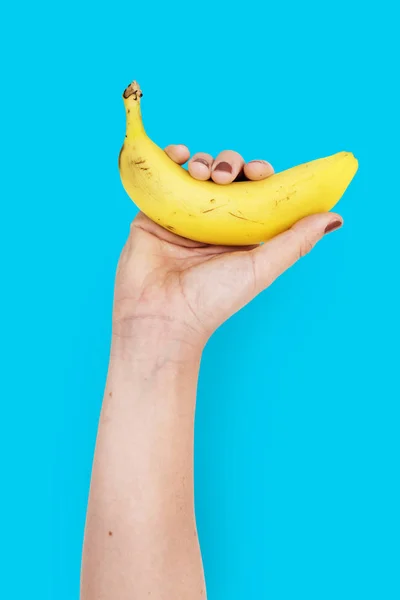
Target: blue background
column 297, row 434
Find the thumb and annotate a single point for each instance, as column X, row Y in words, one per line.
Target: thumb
column 274, row 257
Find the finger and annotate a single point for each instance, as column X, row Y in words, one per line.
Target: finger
column 273, row 258
column 200, row 166
column 258, row 169
column 226, row 167
column 178, row 152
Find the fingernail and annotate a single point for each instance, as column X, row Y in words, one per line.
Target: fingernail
column 202, row 161
column 333, row 225
column 225, row 167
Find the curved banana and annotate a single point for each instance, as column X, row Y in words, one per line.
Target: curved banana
column 241, row 213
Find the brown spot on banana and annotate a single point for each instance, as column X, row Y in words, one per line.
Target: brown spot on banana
column 212, row 201
column 245, row 219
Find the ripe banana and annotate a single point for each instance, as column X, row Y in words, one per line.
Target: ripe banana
column 240, row 213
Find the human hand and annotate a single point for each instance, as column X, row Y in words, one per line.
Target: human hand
column 188, row 289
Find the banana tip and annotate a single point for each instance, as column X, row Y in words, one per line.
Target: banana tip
column 349, row 156
column 133, row 90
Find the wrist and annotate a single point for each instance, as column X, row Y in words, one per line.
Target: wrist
column 148, row 362
column 157, row 340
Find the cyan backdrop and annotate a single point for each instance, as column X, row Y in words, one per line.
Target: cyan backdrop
column 297, row 433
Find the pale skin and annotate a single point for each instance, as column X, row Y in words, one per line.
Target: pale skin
column 171, row 294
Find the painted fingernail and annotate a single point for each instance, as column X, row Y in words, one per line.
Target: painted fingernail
column 225, row 167
column 202, row 161
column 333, row 225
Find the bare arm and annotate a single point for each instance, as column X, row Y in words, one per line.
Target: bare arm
column 141, row 536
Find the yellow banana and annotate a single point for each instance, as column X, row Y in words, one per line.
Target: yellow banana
column 241, row 213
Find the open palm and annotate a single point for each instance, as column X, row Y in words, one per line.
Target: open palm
column 191, row 287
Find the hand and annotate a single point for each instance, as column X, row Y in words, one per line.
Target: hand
column 187, row 288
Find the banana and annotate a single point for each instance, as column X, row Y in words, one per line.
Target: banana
column 240, row 213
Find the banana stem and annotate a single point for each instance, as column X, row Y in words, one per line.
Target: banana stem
column 134, row 124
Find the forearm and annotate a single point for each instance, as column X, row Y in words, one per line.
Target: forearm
column 140, row 538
